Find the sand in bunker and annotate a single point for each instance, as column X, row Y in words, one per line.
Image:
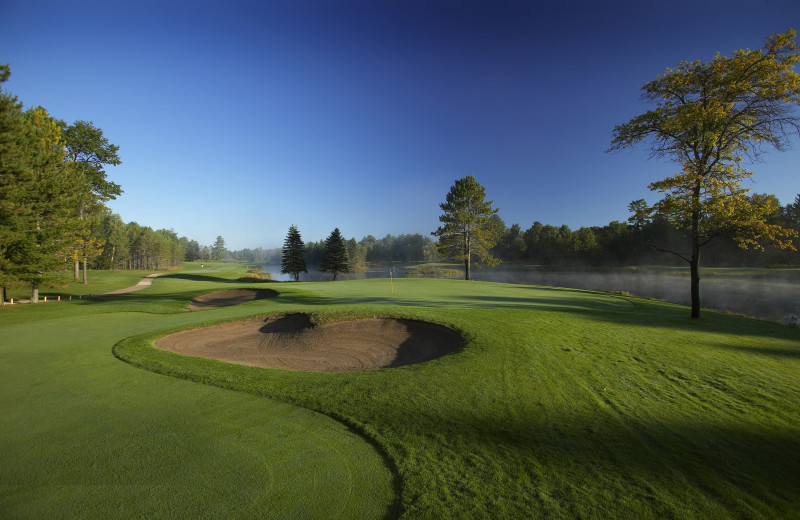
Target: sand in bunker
column 219, row 299
column 291, row 343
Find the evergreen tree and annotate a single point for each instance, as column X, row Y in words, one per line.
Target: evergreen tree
column 15, row 178
column 334, row 255
column 293, row 259
column 471, row 227
column 218, row 252
column 44, row 187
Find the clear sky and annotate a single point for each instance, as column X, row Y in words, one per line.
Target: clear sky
column 241, row 118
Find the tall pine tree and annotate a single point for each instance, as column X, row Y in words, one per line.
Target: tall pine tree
column 293, row 257
column 16, row 180
column 43, row 193
column 334, row 255
column 470, row 229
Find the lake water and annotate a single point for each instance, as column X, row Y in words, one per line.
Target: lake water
column 764, row 296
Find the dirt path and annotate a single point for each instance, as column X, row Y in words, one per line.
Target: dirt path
column 291, row 343
column 144, row 283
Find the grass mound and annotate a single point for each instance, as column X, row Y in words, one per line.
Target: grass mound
column 256, row 274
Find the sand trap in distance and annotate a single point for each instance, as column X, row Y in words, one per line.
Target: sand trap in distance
column 229, row 297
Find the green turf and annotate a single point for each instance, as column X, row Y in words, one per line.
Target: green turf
column 562, row 404
column 98, row 282
column 87, row 436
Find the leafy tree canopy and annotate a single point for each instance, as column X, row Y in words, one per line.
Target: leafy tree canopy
column 709, row 117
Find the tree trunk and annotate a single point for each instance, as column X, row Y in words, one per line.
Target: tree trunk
column 84, row 271
column 694, row 273
column 77, row 269
column 467, row 256
column 35, row 294
column 694, row 261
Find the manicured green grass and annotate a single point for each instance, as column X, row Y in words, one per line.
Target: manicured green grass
column 87, row 436
column 562, row 404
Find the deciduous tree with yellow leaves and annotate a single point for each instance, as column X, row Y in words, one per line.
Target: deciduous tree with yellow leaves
column 710, row 118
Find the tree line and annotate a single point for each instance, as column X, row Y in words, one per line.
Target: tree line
column 53, row 190
column 640, row 241
column 53, row 194
column 615, row 244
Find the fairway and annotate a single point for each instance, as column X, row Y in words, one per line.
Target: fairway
column 561, row 404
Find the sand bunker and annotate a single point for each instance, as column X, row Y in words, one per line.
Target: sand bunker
column 230, row 297
column 291, row 343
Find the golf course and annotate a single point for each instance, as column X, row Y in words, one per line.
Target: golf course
column 546, row 403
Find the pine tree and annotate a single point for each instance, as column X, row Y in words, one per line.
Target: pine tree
column 43, row 186
column 15, row 179
column 293, row 258
column 470, row 229
column 334, row 255
column 218, row 252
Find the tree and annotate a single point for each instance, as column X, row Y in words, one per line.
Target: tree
column 511, row 245
column 116, row 247
column 218, row 251
column 192, row 250
column 469, row 231
column 708, row 118
column 90, row 150
column 293, row 255
column 38, row 214
column 356, row 255
column 334, row 255
column 15, row 178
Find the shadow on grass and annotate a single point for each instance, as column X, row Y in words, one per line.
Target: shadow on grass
column 735, row 466
column 142, row 301
column 199, row 278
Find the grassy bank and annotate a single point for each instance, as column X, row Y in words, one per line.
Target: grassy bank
column 562, row 404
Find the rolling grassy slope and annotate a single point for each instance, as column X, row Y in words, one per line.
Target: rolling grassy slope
column 563, row 404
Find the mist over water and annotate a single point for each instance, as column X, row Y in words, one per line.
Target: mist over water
column 772, row 296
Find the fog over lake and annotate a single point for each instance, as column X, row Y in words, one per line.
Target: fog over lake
column 773, row 296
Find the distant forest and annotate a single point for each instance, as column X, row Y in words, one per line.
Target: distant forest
column 616, row 244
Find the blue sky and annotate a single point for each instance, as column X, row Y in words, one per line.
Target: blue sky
column 241, row 118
